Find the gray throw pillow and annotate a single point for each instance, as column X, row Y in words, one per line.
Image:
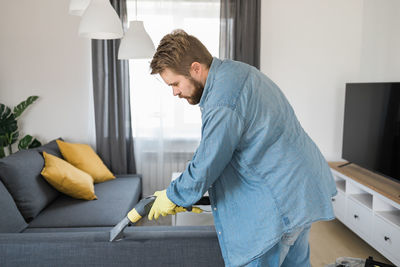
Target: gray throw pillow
column 11, row 220
column 20, row 173
column 51, row 148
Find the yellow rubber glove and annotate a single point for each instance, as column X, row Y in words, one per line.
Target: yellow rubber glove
column 182, row 209
column 161, row 206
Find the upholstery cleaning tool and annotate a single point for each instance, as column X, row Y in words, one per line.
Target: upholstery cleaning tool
column 141, row 209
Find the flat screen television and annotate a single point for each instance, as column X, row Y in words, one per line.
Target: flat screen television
column 371, row 132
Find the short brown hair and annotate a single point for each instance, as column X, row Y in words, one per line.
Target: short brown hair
column 177, row 51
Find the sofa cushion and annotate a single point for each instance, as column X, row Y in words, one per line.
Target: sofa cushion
column 20, row 173
column 11, row 220
column 115, row 199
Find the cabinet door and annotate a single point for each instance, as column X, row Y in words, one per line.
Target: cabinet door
column 387, row 236
column 339, row 205
column 360, row 218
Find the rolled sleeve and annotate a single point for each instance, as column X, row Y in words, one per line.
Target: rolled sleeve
column 221, row 132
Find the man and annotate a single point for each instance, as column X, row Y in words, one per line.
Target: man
column 266, row 179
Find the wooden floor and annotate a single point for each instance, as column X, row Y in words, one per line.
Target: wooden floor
column 331, row 240
column 328, row 241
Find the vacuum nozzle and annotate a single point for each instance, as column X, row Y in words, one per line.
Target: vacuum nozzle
column 141, row 209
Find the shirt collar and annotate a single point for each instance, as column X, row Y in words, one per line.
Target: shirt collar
column 210, row 80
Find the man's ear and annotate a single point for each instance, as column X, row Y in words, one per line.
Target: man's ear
column 195, row 69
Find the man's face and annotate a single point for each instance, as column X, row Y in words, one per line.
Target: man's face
column 183, row 87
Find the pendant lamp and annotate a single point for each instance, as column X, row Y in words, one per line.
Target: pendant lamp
column 100, row 21
column 136, row 44
column 77, row 7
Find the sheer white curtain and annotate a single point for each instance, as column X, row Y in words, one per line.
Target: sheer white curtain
column 166, row 129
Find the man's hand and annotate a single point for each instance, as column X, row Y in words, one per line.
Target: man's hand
column 162, row 205
column 182, row 209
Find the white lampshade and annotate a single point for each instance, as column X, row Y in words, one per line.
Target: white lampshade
column 77, row 7
column 100, row 21
column 136, row 43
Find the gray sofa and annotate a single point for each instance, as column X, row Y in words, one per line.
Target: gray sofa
column 41, row 227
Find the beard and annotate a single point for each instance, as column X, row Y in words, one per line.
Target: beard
column 194, row 99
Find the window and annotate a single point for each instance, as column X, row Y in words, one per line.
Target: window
column 154, row 108
column 166, row 129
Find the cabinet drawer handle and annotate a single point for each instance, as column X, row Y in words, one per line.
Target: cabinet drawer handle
column 386, row 238
column 355, row 216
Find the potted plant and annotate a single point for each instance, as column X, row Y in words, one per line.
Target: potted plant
column 9, row 128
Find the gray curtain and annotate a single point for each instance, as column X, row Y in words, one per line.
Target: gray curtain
column 114, row 141
column 240, row 31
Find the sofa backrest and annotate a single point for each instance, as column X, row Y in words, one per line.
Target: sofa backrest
column 20, row 174
column 11, row 220
column 144, row 246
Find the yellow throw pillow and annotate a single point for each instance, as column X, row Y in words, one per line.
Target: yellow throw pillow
column 84, row 158
column 67, row 179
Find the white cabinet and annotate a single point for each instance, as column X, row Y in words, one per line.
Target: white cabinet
column 387, row 236
column 339, row 205
column 359, row 217
column 368, row 213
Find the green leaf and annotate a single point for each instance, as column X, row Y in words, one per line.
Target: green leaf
column 2, row 153
column 35, row 143
column 23, row 105
column 28, row 142
column 8, row 126
column 24, row 142
column 14, row 137
column 3, row 140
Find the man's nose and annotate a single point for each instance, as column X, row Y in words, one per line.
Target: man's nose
column 175, row 91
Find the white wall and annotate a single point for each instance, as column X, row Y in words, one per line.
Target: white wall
column 380, row 53
column 41, row 54
column 311, row 48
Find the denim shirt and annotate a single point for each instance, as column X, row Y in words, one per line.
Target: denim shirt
column 264, row 174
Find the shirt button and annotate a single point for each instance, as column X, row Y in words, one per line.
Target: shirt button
column 219, row 233
column 215, row 208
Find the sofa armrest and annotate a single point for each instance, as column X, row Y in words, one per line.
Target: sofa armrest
column 142, row 246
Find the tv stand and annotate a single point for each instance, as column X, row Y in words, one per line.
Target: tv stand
column 369, row 204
